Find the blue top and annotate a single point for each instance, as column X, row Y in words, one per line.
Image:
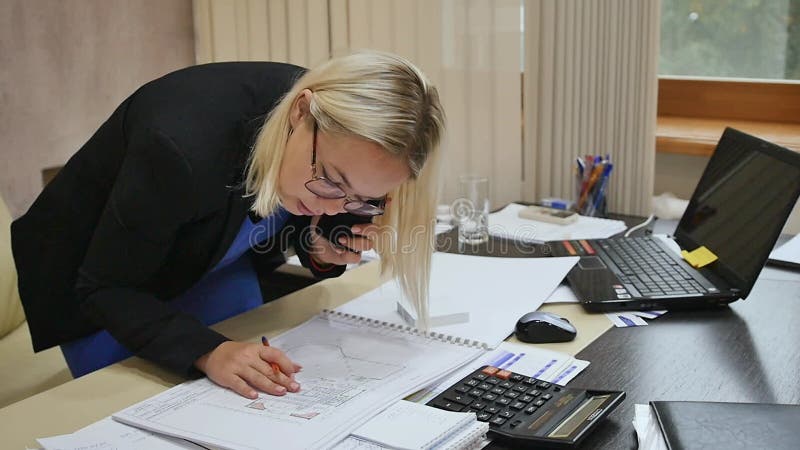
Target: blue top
column 252, row 234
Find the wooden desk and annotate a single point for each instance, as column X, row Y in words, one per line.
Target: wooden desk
column 80, row 402
column 747, row 352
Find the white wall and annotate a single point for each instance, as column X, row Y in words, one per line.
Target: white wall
column 65, row 65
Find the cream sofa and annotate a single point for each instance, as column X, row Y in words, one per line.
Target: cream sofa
column 22, row 373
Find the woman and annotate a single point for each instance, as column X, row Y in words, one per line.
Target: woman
column 158, row 226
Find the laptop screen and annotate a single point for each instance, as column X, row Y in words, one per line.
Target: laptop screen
column 740, row 205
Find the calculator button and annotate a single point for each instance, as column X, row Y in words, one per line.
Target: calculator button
column 517, row 405
column 504, row 401
column 530, row 381
column 498, row 421
column 484, row 386
column 462, row 389
column 526, row 398
column 489, row 370
column 478, row 405
column 514, row 424
column 484, row 416
column 547, row 396
column 489, row 397
column 530, row 409
column 506, row 414
column 450, row 406
column 459, row 398
column 520, row 388
column 472, row 383
column 498, row 391
column 493, row 409
column 511, row 394
column 543, row 385
column 503, row 374
column 480, row 376
column 534, row 392
column 517, row 377
column 506, row 385
column 476, row 393
column 492, row 381
column 538, row 403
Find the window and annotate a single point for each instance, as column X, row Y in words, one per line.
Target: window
column 731, row 38
column 728, row 63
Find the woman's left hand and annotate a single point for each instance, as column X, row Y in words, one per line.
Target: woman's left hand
column 322, row 251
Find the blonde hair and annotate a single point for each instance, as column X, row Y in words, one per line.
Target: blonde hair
column 385, row 99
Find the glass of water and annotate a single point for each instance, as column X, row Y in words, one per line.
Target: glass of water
column 471, row 209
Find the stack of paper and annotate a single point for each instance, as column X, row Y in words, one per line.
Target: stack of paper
column 408, row 425
column 787, row 254
column 506, row 223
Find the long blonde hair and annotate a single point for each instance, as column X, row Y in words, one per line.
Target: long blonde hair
column 382, row 98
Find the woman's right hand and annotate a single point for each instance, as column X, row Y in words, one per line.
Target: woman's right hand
column 244, row 367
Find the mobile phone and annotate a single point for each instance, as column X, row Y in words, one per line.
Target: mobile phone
column 334, row 227
column 550, row 215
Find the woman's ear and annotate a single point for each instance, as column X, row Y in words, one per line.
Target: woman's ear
column 301, row 108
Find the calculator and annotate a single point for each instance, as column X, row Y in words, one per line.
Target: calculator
column 527, row 412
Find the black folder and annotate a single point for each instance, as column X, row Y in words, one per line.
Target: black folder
column 728, row 426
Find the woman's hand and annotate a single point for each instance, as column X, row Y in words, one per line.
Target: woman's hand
column 244, row 367
column 322, row 251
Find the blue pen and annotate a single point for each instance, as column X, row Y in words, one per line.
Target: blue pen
column 601, row 190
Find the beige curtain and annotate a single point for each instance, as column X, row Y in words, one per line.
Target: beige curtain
column 589, row 77
column 470, row 49
column 591, row 88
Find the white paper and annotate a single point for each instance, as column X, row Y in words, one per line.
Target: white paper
column 563, row 294
column 506, row 223
column 788, row 252
column 529, row 360
column 495, row 291
column 111, row 435
column 648, row 433
column 351, row 370
column 431, row 426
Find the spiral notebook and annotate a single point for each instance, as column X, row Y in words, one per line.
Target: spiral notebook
column 415, row 426
column 353, row 367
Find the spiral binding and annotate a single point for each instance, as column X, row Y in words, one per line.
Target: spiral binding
column 407, row 329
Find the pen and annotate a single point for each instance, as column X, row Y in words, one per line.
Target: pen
column 274, row 365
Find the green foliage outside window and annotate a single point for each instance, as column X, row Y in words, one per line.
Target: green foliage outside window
column 731, row 38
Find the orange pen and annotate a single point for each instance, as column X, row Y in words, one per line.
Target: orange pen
column 274, row 365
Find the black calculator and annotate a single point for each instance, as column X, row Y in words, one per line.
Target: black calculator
column 528, row 412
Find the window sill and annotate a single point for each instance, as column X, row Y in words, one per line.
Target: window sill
column 699, row 136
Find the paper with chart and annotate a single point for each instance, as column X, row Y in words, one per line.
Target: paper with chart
column 107, row 434
column 352, row 368
column 495, row 291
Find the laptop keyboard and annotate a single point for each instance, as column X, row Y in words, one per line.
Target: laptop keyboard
column 645, row 265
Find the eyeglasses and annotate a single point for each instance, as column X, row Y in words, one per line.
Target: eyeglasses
column 325, row 188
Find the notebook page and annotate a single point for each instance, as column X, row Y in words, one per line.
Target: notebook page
column 430, row 426
column 351, row 369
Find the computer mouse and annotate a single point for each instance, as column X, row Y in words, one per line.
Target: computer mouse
column 541, row 327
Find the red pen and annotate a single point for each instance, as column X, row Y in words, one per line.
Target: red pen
column 274, row 365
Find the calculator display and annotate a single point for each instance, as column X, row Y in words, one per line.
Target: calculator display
column 586, row 410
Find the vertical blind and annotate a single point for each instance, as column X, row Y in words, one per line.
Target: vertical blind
column 577, row 98
column 591, row 88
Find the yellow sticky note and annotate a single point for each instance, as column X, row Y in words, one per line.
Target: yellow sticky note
column 699, row 257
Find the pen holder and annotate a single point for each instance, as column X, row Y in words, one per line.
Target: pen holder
column 591, row 184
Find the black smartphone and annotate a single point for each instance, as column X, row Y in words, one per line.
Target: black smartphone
column 334, row 227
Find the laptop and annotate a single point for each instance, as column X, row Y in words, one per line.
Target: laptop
column 737, row 211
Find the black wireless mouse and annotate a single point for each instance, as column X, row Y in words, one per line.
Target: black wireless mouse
column 541, row 327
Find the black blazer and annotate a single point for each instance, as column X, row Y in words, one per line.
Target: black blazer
column 145, row 208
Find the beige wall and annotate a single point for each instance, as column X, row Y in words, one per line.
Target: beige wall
column 679, row 174
column 65, row 65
